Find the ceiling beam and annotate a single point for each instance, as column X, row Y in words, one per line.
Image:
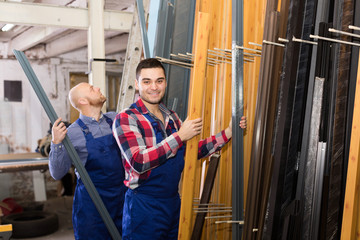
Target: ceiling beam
column 58, row 16
column 116, row 44
column 32, row 37
column 77, row 40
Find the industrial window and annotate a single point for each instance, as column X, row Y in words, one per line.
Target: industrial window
column 12, row 91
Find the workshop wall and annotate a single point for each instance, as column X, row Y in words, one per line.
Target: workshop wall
column 23, row 123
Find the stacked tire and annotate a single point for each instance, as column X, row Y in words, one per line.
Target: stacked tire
column 32, row 223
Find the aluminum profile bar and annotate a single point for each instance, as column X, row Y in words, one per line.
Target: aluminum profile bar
column 318, row 189
column 29, row 72
column 237, row 89
column 145, row 39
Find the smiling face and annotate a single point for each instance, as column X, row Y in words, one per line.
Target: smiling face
column 151, row 85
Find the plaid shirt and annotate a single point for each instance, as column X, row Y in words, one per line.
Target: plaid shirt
column 137, row 141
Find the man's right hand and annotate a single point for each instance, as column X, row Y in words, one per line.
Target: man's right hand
column 190, row 128
column 58, row 131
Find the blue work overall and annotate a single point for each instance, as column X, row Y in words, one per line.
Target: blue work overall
column 106, row 171
column 152, row 210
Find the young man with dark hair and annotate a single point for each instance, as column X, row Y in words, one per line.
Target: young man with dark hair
column 151, row 139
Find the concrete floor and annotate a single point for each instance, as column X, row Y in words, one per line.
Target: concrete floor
column 62, row 206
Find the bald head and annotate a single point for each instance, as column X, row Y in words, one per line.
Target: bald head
column 77, row 92
column 85, row 95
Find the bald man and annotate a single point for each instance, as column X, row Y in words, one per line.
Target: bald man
column 93, row 140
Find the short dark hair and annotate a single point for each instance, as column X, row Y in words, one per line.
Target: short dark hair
column 148, row 63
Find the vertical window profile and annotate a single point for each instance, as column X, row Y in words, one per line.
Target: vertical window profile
column 12, row 91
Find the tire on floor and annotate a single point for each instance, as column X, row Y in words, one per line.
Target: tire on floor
column 32, row 223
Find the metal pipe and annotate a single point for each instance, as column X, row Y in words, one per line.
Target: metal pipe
column 273, row 43
column 232, row 221
column 212, row 217
column 283, row 40
column 214, row 211
column 354, row 27
column 294, row 39
column 255, row 44
column 344, row 33
column 205, row 208
column 334, row 40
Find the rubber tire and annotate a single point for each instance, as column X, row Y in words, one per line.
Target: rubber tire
column 32, row 223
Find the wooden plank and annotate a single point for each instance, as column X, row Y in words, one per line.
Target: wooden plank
column 195, row 111
column 350, row 229
column 216, row 33
column 208, row 95
column 224, row 110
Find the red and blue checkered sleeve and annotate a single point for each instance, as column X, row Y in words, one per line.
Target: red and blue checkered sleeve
column 134, row 138
column 212, row 144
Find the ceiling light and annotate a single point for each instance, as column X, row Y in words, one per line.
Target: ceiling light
column 7, row 27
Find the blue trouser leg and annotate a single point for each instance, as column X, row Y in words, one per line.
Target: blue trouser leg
column 147, row 217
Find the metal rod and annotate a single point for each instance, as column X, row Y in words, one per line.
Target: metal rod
column 231, row 221
column 252, row 54
column 181, row 57
column 223, row 50
column 334, row 40
column 255, row 44
column 186, row 56
column 212, row 217
column 214, row 211
column 206, row 204
column 219, row 55
column 249, row 49
column 354, row 27
column 294, row 39
column 205, row 208
column 248, row 60
column 210, row 61
column 344, row 33
column 174, row 62
column 273, row 43
column 145, row 39
column 217, row 60
column 283, row 40
column 175, row 55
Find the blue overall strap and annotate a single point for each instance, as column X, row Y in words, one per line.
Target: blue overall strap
column 108, row 120
column 84, row 128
